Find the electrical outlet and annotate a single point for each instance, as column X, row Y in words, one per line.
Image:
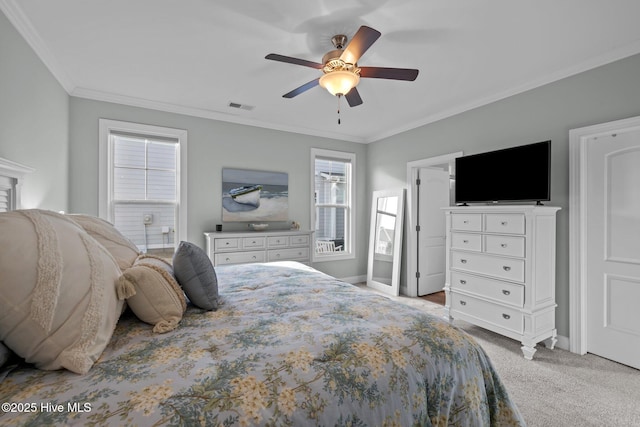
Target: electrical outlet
column 165, row 230
column 147, row 219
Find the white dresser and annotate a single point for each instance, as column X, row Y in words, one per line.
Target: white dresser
column 258, row 246
column 501, row 271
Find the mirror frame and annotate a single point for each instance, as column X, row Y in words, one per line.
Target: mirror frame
column 394, row 288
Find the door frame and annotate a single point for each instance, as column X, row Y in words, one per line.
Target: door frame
column 412, row 217
column 578, row 139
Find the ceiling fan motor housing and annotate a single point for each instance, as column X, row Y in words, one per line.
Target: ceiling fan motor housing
column 339, row 41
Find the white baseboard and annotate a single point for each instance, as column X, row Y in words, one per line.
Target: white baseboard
column 353, row 279
column 563, row 342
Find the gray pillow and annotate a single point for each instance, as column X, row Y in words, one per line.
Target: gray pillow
column 196, row 275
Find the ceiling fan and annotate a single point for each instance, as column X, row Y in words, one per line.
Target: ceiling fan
column 341, row 72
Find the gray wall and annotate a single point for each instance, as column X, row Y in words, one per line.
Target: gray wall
column 211, row 146
column 607, row 93
column 34, row 120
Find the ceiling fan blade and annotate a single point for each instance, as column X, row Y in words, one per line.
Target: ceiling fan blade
column 353, row 97
column 305, row 87
column 296, row 61
column 361, row 41
column 389, row 73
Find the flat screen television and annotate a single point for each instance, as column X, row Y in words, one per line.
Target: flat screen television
column 516, row 174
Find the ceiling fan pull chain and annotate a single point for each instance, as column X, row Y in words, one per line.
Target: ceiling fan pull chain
column 339, row 96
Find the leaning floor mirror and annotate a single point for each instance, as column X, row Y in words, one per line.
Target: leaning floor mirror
column 385, row 241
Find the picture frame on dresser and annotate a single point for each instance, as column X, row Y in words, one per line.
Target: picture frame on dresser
column 501, row 271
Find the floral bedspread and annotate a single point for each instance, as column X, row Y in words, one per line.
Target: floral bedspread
column 289, row 346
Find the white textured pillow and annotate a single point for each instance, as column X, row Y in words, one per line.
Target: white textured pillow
column 122, row 249
column 58, row 302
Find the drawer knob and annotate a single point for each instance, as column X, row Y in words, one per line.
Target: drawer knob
column 506, row 316
column 463, row 303
column 227, row 259
column 463, row 282
column 254, row 257
column 503, row 245
column 226, row 243
column 504, row 223
column 465, row 241
column 506, row 292
column 278, row 255
column 254, row 242
column 506, row 268
column 464, row 261
column 465, row 222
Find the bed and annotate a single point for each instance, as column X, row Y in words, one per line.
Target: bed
column 286, row 346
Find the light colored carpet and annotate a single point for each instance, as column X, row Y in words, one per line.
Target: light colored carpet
column 557, row 388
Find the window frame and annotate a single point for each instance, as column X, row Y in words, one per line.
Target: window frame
column 349, row 251
column 106, row 159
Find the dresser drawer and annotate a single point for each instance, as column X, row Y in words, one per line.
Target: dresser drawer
column 253, row 242
column 226, row 244
column 466, row 222
column 504, row 223
column 494, row 314
column 239, row 257
column 290, row 254
column 299, row 240
column 504, row 245
column 506, row 292
column 277, row 241
column 467, row 241
column 504, row 268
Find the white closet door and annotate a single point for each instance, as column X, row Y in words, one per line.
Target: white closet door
column 434, row 195
column 613, row 252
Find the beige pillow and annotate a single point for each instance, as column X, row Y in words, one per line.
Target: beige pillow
column 152, row 293
column 58, row 302
column 122, row 249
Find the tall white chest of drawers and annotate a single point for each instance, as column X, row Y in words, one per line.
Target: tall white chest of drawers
column 501, row 271
column 258, row 246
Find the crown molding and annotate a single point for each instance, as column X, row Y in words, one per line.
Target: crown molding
column 598, row 61
column 22, row 24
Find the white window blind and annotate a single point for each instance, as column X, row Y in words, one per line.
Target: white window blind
column 145, row 183
column 5, row 199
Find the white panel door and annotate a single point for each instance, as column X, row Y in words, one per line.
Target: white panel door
column 613, row 252
column 433, row 196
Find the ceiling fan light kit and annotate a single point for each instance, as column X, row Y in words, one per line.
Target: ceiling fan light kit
column 341, row 73
column 339, row 82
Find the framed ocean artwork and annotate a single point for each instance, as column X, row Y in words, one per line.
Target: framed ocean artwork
column 251, row 195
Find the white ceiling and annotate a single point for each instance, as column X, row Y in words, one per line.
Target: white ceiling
column 195, row 56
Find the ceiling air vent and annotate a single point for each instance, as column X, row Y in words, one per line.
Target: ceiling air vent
column 241, row 106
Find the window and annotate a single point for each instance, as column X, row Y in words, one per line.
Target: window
column 11, row 177
column 332, row 210
column 140, row 183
